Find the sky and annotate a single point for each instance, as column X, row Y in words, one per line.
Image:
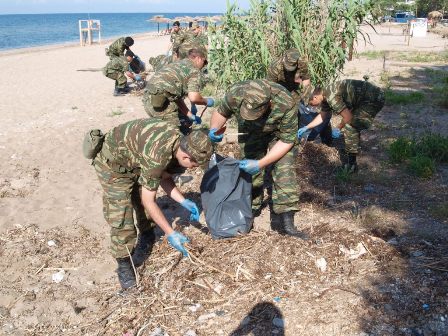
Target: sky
column 116, row 6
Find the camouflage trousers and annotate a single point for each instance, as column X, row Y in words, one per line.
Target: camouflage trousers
column 285, row 188
column 118, row 76
column 169, row 113
column 121, row 197
column 362, row 119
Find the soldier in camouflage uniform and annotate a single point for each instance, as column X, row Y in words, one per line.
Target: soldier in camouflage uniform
column 267, row 118
column 191, row 39
column 117, row 48
column 290, row 71
column 136, row 158
column 160, row 61
column 176, row 37
column 357, row 102
column 117, row 69
column 166, row 90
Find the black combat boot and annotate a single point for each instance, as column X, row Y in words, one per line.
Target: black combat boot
column 287, row 226
column 350, row 165
column 143, row 247
column 125, row 272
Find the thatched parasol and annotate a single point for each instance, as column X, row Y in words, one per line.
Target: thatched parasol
column 158, row 19
column 435, row 15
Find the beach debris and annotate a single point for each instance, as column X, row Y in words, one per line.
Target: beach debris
column 194, row 308
column 190, row 333
column 206, row 317
column 157, row 332
column 58, row 276
column 321, row 264
column 278, row 322
column 51, row 243
column 355, row 253
column 277, row 299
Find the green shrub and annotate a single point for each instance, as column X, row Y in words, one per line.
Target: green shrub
column 433, row 146
column 400, row 150
column 422, row 166
column 394, row 98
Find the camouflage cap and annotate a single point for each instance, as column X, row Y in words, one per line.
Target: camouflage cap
column 256, row 96
column 290, row 59
column 307, row 94
column 194, row 25
column 197, row 144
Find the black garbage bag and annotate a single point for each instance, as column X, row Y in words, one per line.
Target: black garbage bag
column 226, row 195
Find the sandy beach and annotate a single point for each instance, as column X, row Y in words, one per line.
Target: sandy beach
column 50, row 98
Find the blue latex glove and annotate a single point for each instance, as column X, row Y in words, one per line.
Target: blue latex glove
column 196, row 119
column 335, row 133
column 250, row 166
column 194, row 109
column 213, row 137
column 177, row 240
column 137, row 77
column 192, row 207
column 210, row 102
column 302, row 131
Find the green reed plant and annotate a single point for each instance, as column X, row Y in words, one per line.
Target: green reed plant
column 323, row 31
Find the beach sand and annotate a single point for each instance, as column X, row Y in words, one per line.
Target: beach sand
column 46, row 184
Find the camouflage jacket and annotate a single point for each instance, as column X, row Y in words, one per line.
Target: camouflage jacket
column 348, row 93
column 277, row 73
column 117, row 64
column 149, row 145
column 160, row 61
column 176, row 39
column 117, row 48
column 281, row 119
column 175, row 80
column 190, row 41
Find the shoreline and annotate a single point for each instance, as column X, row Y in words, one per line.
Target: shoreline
column 50, row 47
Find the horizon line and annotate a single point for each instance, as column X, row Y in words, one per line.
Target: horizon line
column 111, row 13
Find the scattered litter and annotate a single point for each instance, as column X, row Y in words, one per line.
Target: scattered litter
column 321, row 264
column 278, row 322
column 58, row 276
column 277, row 299
column 157, row 332
column 417, row 254
column 220, row 312
column 206, row 317
column 353, row 253
column 218, row 288
column 393, row 241
column 425, row 306
column 194, row 308
column 51, row 243
column 190, row 333
column 268, row 276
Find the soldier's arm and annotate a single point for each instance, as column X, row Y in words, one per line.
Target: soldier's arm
column 183, row 108
column 316, row 121
column 170, row 188
column 347, row 117
column 217, row 120
column 149, row 203
column 196, row 98
column 278, row 151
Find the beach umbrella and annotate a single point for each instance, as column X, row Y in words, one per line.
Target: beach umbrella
column 158, row 19
column 435, row 15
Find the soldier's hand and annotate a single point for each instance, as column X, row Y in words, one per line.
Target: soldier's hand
column 250, row 166
column 177, row 240
column 195, row 119
column 194, row 109
column 215, row 137
column 210, row 102
column 193, row 208
column 335, row 133
column 302, row 131
column 137, row 77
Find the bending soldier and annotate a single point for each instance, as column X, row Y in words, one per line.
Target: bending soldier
column 117, row 48
column 267, row 120
column 191, row 39
column 166, row 90
column 357, row 102
column 136, row 158
column 117, row 69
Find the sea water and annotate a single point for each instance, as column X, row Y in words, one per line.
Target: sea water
column 32, row 30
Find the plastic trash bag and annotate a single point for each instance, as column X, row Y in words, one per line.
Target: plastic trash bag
column 226, row 195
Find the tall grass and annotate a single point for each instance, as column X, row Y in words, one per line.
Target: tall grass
column 323, row 31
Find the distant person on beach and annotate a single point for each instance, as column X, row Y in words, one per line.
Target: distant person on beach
column 117, row 69
column 117, row 48
column 357, row 102
column 267, row 126
column 165, row 92
column 191, row 39
column 136, row 158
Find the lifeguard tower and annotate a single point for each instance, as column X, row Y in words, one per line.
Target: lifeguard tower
column 87, row 29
